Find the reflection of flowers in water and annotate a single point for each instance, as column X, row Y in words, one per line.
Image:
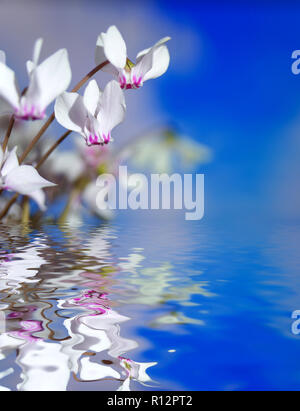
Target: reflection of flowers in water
column 159, row 285
column 48, row 365
column 20, row 267
column 134, row 371
column 102, row 327
column 28, row 328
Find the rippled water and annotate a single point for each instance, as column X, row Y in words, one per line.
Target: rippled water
column 149, row 303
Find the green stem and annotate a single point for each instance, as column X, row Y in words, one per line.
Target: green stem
column 25, row 210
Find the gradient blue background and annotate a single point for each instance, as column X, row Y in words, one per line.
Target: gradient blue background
column 230, row 86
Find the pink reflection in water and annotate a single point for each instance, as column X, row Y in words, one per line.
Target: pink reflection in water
column 28, row 327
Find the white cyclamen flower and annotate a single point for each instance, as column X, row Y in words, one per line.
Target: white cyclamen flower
column 22, row 179
column 95, row 114
column 46, row 81
column 150, row 63
column 2, row 57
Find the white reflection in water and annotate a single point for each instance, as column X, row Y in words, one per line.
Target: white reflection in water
column 93, row 349
column 59, row 291
column 48, row 366
column 154, row 285
column 21, row 266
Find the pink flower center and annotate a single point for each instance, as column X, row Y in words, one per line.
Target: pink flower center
column 29, row 112
column 136, row 82
column 94, row 139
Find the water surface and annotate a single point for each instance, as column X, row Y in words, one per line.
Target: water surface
column 149, row 302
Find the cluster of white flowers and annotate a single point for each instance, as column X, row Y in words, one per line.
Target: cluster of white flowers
column 93, row 115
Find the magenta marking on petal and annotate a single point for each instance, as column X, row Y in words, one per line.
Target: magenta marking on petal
column 33, row 113
column 90, row 139
column 106, row 138
column 122, row 81
column 93, row 139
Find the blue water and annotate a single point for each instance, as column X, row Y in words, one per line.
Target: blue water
column 207, row 303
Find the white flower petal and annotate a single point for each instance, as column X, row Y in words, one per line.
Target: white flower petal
column 114, row 47
column 110, row 69
column 92, row 96
column 160, row 63
column 5, row 108
column 50, row 79
column 92, row 129
column 100, row 56
column 113, row 107
column 2, row 57
column 31, row 64
column 156, row 45
column 40, row 198
column 70, row 111
column 10, row 163
column 8, row 88
column 37, row 50
column 146, row 61
column 25, row 180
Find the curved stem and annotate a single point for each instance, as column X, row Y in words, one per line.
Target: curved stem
column 89, row 75
column 8, row 205
column 8, row 132
column 52, row 148
column 36, row 138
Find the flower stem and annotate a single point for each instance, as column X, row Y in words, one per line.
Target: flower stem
column 72, row 196
column 25, row 210
column 36, row 138
column 10, row 127
column 52, row 148
column 52, row 117
column 8, row 205
column 8, row 132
